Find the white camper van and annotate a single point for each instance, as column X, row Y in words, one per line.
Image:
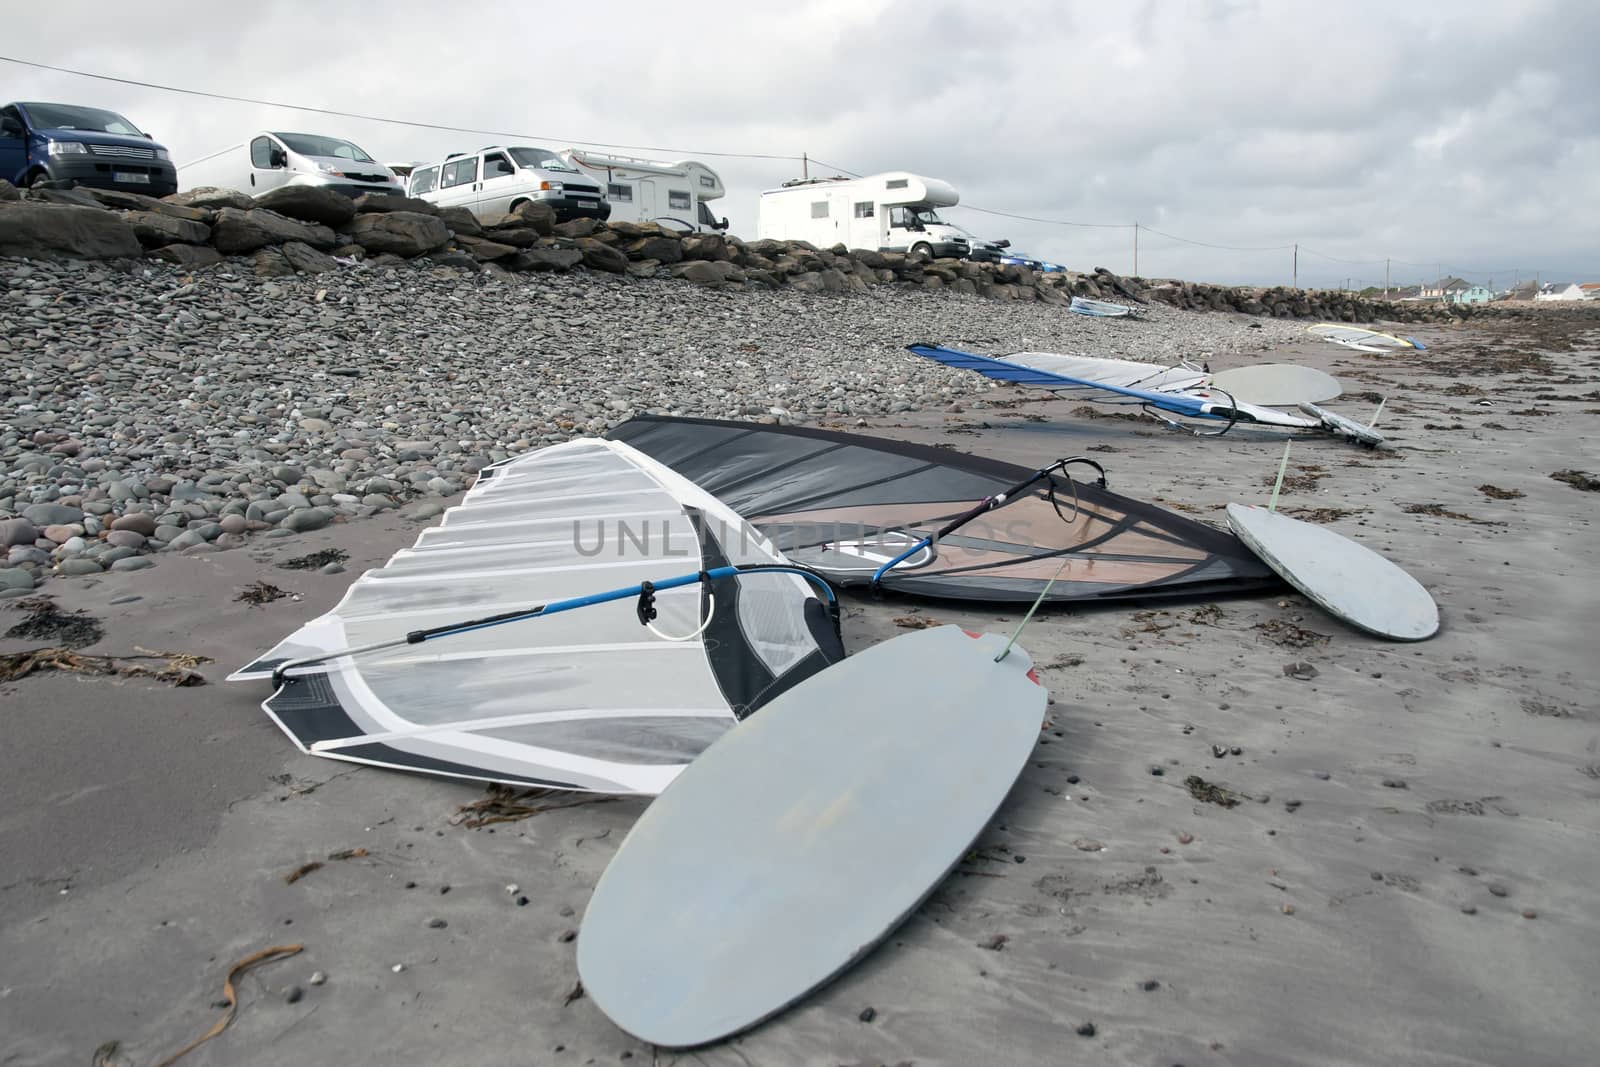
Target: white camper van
column 643, row 190
column 891, row 212
column 498, row 179
column 270, row 160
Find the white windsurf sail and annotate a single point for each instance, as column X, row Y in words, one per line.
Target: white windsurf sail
column 1099, row 309
column 588, row 700
column 1361, row 338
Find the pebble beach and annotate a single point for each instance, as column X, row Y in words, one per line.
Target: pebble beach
column 1249, row 835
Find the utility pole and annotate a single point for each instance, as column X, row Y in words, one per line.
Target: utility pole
column 1386, row 279
column 1297, row 265
column 1135, row 248
column 805, row 166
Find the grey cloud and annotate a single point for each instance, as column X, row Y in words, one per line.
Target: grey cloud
column 1461, row 137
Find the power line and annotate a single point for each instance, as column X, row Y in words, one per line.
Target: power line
column 1207, row 244
column 1053, row 222
column 392, row 121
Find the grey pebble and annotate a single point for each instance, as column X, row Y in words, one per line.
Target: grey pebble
column 246, row 428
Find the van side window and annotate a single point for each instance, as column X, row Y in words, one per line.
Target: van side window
column 497, row 166
column 617, row 191
column 866, row 209
column 678, row 200
column 460, row 172
column 261, row 153
column 11, row 121
column 896, row 183
column 899, row 216
column 819, row 209
column 425, row 180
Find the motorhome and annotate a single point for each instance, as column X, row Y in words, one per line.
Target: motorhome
column 891, row 212
column 270, row 161
column 86, row 145
column 499, row 179
column 676, row 195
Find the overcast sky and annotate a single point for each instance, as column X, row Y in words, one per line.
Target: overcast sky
column 1460, row 137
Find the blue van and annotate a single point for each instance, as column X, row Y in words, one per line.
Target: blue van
column 94, row 147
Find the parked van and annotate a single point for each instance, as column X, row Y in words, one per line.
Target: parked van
column 272, row 160
column 498, row 179
column 891, row 212
column 91, row 146
column 675, row 195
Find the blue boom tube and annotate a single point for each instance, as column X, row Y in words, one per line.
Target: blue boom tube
column 641, row 589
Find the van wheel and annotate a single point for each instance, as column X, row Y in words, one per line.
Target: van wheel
column 514, row 205
column 37, row 178
column 922, row 248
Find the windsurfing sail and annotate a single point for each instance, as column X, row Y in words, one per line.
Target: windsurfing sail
column 1362, row 339
column 843, row 505
column 1198, row 403
column 589, row 700
column 1100, row 309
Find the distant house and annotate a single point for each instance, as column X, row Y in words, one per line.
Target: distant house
column 1560, row 291
column 1474, row 294
column 1445, row 288
column 1591, row 290
column 1525, row 291
column 1401, row 292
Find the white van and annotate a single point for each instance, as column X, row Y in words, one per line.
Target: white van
column 271, row 160
column 675, row 195
column 498, row 179
column 891, row 212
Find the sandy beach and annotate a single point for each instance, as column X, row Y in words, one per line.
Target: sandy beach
column 1394, row 859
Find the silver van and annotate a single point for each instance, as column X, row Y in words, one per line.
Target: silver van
column 498, row 179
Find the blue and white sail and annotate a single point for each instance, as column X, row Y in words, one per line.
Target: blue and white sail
column 587, row 700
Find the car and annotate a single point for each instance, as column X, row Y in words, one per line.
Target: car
column 500, row 179
column 270, row 160
column 90, row 146
column 1022, row 259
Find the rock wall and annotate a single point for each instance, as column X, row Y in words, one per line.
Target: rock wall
column 299, row 229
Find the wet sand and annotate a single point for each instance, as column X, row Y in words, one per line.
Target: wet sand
column 1405, row 874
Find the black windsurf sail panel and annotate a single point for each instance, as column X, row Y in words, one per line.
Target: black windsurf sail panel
column 845, row 504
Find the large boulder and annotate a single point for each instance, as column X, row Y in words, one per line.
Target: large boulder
column 520, row 236
column 116, row 198
column 65, row 231
column 271, row 263
column 49, row 194
column 702, row 272
column 155, row 229
column 543, row 259
column 575, row 228
column 401, row 233
column 538, row 214
column 660, row 247
column 237, row 232
column 302, row 257
column 598, row 255
column 483, row 250
column 386, row 202
column 461, row 221
column 707, row 246
column 309, row 203
column 190, row 256
column 212, row 198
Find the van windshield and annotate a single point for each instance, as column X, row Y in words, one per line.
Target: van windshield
column 926, row 216
column 540, row 158
column 310, row 144
column 68, row 117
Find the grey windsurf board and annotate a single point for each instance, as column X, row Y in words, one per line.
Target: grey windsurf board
column 1277, row 384
column 806, row 834
column 1348, row 581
